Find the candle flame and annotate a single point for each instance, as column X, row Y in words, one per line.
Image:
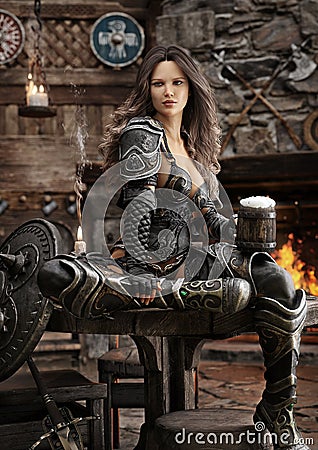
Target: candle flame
column 79, row 233
column 41, row 88
column 29, row 76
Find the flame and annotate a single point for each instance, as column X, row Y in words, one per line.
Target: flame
column 303, row 274
column 79, row 233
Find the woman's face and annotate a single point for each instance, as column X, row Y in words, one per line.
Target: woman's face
column 169, row 89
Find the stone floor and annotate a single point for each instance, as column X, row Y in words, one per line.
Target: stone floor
column 237, row 382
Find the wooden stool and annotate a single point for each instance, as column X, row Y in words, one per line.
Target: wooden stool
column 120, row 363
column 22, row 409
column 203, row 429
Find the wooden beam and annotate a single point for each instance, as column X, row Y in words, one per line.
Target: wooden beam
column 63, row 95
column 77, row 10
column 78, row 76
column 279, row 167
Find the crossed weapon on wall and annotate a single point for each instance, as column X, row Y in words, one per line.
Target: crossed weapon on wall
column 304, row 68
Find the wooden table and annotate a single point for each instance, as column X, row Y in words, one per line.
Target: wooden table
column 169, row 344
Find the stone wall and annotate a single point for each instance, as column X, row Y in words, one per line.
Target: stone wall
column 270, row 46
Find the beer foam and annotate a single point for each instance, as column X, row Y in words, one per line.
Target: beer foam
column 258, row 202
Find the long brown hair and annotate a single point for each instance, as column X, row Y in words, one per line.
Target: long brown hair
column 199, row 116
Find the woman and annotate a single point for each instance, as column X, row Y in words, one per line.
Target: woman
column 178, row 118
column 164, row 137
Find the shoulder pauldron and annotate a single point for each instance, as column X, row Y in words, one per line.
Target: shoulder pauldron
column 140, row 148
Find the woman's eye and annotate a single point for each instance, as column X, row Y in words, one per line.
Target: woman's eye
column 178, row 82
column 157, row 83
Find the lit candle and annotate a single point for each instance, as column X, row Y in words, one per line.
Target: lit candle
column 37, row 97
column 29, row 86
column 80, row 245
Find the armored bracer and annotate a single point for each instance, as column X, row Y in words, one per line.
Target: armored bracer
column 222, row 295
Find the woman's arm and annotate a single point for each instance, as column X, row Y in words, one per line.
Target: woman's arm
column 140, row 160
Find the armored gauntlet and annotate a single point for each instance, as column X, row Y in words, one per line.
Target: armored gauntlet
column 219, row 227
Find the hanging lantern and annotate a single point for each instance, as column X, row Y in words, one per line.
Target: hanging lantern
column 37, row 102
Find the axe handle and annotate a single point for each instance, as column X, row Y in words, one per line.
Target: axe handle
column 258, row 95
column 238, row 120
column 249, row 105
column 271, row 107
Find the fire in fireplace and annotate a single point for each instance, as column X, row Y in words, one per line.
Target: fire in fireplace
column 304, row 273
column 299, row 257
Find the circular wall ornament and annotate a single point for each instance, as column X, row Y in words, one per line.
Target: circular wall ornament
column 311, row 130
column 117, row 39
column 12, row 36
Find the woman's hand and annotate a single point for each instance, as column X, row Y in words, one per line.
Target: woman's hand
column 145, row 288
column 144, row 285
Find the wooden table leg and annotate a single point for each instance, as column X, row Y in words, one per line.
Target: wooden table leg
column 184, row 358
column 170, row 364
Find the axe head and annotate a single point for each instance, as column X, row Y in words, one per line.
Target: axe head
column 304, row 66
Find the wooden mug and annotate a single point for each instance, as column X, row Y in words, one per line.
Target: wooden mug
column 256, row 225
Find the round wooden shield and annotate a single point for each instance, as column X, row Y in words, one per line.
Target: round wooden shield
column 117, row 39
column 24, row 312
column 311, row 130
column 12, row 36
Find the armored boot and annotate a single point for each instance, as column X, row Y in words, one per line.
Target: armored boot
column 95, row 286
column 225, row 295
column 86, row 288
column 279, row 329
